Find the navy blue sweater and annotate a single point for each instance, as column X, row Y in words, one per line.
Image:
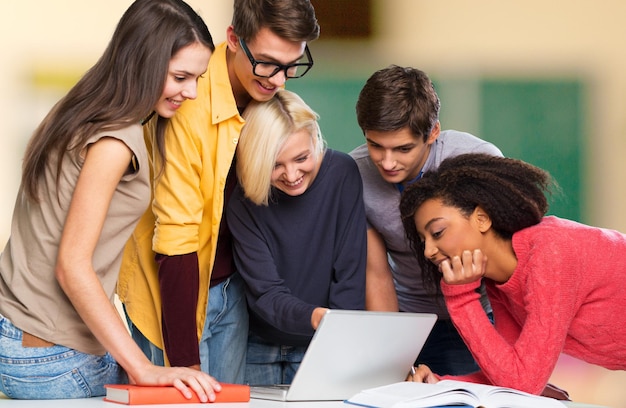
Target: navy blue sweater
column 302, row 252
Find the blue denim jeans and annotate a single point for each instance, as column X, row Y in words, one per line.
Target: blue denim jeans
column 51, row 372
column 445, row 352
column 269, row 363
column 154, row 354
column 223, row 343
column 225, row 335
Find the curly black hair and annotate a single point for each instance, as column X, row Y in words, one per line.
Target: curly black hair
column 510, row 191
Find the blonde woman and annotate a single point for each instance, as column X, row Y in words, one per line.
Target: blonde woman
column 298, row 224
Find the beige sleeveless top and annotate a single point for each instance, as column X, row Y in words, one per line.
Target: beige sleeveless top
column 30, row 296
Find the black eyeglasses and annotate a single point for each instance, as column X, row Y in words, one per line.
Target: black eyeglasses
column 269, row 69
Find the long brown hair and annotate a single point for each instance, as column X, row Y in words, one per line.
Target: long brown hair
column 123, row 86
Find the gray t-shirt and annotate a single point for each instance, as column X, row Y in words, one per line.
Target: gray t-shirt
column 30, row 296
column 382, row 200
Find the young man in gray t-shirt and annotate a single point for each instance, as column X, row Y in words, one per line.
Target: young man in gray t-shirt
column 398, row 111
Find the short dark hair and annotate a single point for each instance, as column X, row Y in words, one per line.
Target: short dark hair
column 397, row 97
column 293, row 20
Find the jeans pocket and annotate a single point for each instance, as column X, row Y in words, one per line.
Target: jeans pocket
column 67, row 385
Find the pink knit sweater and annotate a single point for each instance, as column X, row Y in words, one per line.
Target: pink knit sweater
column 567, row 294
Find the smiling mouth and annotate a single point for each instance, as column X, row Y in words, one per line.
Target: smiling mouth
column 295, row 183
column 266, row 87
column 391, row 173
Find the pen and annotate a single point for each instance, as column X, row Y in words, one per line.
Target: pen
column 412, row 371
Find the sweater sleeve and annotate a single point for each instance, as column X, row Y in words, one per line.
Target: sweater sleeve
column 179, row 285
column 532, row 313
column 267, row 294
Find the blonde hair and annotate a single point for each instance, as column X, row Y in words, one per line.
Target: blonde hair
column 268, row 126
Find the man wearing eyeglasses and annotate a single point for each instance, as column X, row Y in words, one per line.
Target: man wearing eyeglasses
column 190, row 302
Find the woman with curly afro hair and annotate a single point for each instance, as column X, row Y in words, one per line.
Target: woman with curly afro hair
column 556, row 286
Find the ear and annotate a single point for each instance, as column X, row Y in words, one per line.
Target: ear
column 483, row 221
column 231, row 39
column 434, row 134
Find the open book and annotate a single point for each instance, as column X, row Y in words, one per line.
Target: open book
column 449, row 392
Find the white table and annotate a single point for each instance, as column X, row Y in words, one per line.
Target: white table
column 99, row 403
column 254, row 403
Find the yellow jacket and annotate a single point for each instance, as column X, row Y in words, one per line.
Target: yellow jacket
column 188, row 198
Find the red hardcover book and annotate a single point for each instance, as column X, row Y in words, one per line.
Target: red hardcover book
column 141, row 394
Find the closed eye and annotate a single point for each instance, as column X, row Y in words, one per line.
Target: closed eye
column 302, row 159
column 405, row 149
column 437, row 234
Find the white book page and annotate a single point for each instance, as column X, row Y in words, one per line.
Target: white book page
column 504, row 397
column 418, row 395
column 411, row 394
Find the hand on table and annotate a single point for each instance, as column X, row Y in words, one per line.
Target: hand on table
column 185, row 379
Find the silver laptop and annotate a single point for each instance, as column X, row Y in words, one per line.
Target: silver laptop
column 351, row 351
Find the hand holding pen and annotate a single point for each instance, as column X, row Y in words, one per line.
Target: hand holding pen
column 422, row 374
